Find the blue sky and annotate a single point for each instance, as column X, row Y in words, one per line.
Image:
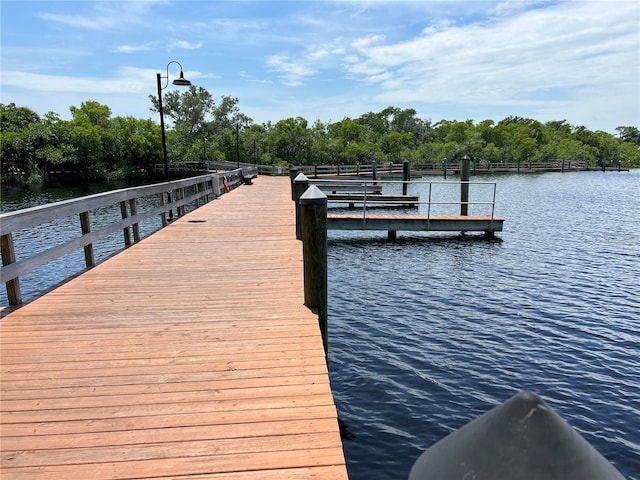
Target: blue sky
column 573, row 60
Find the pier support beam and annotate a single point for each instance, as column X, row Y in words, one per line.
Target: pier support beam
column 313, row 213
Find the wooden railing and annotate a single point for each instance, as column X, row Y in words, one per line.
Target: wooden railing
column 170, row 197
column 373, row 169
column 503, row 167
column 369, row 169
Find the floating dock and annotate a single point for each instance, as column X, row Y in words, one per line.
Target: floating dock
column 434, row 223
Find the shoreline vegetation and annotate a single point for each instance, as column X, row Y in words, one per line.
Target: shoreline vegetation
column 94, row 146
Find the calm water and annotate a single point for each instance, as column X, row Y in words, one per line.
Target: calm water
column 427, row 333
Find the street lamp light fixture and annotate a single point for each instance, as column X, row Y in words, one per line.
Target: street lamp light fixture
column 182, row 82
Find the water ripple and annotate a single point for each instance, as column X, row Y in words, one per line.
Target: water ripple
column 428, row 333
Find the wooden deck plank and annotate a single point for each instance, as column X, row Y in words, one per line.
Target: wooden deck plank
column 188, row 355
column 169, row 467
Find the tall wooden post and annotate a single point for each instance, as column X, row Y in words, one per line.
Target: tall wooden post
column 85, row 227
column 125, row 231
column 464, row 185
column 313, row 209
column 300, row 185
column 406, row 175
column 293, row 173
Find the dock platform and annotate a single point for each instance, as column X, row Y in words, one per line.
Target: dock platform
column 188, row 355
column 374, row 200
column 393, row 223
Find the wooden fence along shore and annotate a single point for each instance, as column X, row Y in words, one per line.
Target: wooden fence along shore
column 385, row 169
column 188, row 355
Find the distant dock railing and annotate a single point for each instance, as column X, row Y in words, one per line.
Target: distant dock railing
column 369, row 193
column 163, row 200
column 420, row 210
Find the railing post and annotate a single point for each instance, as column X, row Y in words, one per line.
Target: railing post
column 125, row 230
column 85, row 226
column 181, row 211
column 163, row 215
column 133, row 209
column 300, row 185
column 215, row 183
column 313, row 210
column 464, row 185
column 14, row 296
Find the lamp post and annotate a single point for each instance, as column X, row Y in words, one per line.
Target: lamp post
column 183, row 82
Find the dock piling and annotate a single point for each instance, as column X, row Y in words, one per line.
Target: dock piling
column 299, row 186
column 313, row 214
column 406, row 175
column 464, row 185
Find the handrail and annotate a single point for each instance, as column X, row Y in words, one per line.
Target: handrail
column 179, row 194
column 387, row 168
column 440, row 167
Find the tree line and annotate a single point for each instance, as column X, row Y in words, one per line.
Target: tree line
column 93, row 145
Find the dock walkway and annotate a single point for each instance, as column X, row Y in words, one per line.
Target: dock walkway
column 188, row 355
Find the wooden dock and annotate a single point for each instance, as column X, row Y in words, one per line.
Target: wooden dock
column 188, row 355
column 423, row 223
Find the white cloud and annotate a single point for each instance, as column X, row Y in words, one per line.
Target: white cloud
column 135, row 48
column 127, row 79
column 102, row 16
column 510, row 60
column 558, row 59
column 292, row 71
column 185, row 45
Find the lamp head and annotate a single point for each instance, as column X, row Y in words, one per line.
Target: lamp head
column 182, row 82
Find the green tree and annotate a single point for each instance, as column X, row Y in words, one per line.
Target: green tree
column 290, row 141
column 346, row 134
column 629, row 134
column 138, row 147
column 87, row 133
column 396, row 145
column 28, row 145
